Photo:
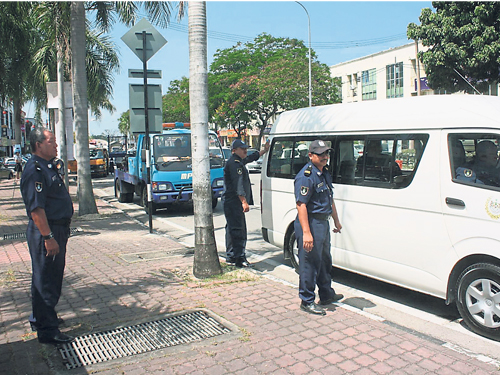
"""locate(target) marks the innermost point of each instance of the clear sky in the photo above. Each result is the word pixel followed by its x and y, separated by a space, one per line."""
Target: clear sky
pixel 340 31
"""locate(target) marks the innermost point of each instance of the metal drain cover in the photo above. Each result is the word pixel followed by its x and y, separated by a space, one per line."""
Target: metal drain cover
pixel 178 329
pixel 22 235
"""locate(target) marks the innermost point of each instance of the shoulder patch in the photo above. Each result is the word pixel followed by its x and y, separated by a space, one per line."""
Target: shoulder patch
pixel 308 171
pixel 38 187
pixel 239 170
pixel 304 190
pixel 468 173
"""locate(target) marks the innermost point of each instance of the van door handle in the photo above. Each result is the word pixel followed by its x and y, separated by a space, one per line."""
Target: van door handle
pixel 455 202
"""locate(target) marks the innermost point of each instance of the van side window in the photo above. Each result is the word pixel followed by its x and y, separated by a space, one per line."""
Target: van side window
pixel 378 161
pixel 474 159
pixel 288 156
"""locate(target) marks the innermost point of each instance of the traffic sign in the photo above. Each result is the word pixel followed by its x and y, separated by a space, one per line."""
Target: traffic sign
pixel 154 40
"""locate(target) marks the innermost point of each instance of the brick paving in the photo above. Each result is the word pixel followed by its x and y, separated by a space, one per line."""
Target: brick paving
pixel 103 290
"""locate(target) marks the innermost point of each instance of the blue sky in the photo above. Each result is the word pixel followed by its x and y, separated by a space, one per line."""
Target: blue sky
pixel 340 31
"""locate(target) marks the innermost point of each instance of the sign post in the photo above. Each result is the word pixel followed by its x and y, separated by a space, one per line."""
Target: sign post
pixel 144 40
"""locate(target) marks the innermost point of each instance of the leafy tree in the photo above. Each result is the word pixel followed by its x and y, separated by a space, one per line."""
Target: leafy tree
pixel 253 83
pixel 463 40
pixel 175 102
pixel 124 123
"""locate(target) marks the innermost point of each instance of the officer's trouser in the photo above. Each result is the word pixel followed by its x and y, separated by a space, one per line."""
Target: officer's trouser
pixel 236 230
pixel 46 283
pixel 315 266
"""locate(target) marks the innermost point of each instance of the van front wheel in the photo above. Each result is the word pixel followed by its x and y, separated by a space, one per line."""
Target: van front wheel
pixel 293 251
pixel 478 299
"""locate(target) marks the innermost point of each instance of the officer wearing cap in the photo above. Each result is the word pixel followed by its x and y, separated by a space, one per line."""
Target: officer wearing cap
pixel 49 208
pixel 237 199
pixel 315 205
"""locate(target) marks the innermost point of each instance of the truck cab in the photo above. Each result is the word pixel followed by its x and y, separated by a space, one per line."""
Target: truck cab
pixel 171 169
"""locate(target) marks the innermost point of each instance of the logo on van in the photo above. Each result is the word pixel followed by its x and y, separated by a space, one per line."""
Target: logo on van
pixel 493 208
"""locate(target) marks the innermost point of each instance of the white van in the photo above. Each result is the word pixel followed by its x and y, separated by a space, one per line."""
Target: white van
pixel 417 208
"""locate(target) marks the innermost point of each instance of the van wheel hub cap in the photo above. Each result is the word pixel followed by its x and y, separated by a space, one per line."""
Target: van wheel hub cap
pixel 483 302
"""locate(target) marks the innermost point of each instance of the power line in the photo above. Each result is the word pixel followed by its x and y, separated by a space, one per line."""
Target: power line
pixel 235 38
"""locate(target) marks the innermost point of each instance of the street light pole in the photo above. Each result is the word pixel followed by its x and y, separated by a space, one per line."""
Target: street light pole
pixel 309 29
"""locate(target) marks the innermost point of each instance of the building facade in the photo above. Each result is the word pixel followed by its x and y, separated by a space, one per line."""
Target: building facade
pixel 394 73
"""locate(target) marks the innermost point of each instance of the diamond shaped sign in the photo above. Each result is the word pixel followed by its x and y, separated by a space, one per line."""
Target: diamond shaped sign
pixel 154 40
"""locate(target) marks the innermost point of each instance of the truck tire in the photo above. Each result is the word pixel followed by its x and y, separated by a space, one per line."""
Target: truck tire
pixel 122 197
pixel 214 203
pixel 477 299
pixel 144 201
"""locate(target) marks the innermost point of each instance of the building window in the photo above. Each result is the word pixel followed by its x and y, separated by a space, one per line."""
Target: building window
pixel 395 80
pixel 369 84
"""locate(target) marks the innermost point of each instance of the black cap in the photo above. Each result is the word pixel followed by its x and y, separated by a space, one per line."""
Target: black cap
pixel 238 143
pixel 318 147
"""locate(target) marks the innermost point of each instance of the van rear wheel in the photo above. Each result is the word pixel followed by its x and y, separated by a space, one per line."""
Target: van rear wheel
pixel 478 299
pixel 293 251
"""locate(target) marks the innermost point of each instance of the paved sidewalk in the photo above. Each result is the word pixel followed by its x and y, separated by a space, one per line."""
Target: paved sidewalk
pixel 106 286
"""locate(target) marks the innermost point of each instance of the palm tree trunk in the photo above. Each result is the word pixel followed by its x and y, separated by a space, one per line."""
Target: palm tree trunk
pixel 61 136
pixel 206 260
pixel 86 200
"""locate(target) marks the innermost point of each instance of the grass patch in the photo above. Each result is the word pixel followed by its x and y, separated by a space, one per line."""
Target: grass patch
pixel 230 275
pixel 7 277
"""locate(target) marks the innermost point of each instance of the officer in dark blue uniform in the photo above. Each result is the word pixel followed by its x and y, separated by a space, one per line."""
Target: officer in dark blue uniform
pixel 49 208
pixel 315 205
pixel 237 199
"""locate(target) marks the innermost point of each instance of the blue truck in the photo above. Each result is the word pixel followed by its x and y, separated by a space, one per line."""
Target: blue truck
pixel 171 169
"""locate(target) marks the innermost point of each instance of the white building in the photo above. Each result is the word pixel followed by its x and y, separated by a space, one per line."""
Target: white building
pixel 387 74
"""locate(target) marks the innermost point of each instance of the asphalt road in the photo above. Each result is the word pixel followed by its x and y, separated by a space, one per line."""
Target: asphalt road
pixel 418 313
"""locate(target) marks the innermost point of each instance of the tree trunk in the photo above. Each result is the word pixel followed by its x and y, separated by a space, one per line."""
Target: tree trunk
pixel 206 259
pixel 86 200
pixel 16 120
pixel 61 136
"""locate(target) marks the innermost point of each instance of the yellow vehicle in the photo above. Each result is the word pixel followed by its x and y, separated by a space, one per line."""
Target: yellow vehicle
pixel 99 162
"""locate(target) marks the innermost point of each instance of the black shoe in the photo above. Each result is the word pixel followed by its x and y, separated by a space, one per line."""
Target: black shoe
pixel 244 264
pixel 34 326
pixel 58 338
pixel 312 308
pixel 336 297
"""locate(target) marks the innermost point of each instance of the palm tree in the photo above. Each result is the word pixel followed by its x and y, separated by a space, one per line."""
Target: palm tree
pixel 86 200
pixel 206 260
pixel 16 48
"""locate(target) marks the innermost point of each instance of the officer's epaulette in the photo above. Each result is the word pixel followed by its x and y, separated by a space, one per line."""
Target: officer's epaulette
pixel 325 168
pixel 37 166
pixel 308 171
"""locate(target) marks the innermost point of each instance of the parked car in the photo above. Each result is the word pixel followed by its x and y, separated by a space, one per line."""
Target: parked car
pixel 10 163
pixel 256 165
pixel 6 172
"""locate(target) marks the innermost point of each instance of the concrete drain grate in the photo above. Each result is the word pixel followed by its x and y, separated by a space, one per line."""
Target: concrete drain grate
pixel 22 235
pixel 126 341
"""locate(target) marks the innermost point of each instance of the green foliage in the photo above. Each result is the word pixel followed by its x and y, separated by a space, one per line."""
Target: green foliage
pixel 175 102
pixel 250 84
pixel 124 123
pixel 461 36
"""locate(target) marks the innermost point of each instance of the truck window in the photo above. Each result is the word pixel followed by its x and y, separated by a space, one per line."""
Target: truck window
pixel 474 159
pixel 382 161
pixel 173 152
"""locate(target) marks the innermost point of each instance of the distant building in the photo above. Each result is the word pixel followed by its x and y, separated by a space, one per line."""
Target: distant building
pixel 383 75
pixel 393 73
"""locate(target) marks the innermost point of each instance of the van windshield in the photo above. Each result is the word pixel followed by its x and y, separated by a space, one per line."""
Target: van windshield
pixel 96 154
pixel 172 152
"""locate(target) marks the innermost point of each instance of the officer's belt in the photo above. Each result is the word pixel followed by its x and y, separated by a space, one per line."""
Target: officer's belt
pixel 319 216
pixel 61 222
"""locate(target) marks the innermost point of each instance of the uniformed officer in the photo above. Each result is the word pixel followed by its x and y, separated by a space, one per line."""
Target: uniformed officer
pixel 484 170
pixel 315 205
pixel 49 208
pixel 237 198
